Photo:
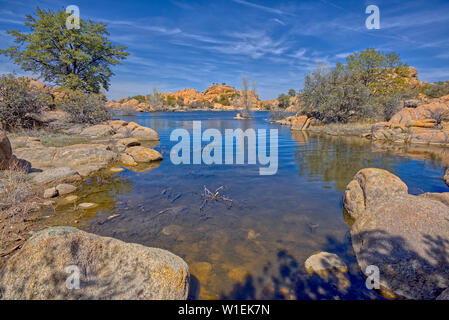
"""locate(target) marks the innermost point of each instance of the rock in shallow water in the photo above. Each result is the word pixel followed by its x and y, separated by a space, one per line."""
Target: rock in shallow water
pixel 324 262
pixel 64 189
pixel 405 236
pixel 109 269
pixel 87 205
pixel 143 155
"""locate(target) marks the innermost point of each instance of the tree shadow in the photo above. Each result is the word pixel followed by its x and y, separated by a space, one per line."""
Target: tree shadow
pixel 417 275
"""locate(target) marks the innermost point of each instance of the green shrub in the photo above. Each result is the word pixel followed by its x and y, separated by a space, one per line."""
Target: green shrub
pixel 83 107
pixel 19 102
pixel 180 102
pixel 140 98
pixel 336 96
pixel 224 100
pixel 200 104
pixel 284 101
pixel 171 100
pixel 371 86
pixel 436 89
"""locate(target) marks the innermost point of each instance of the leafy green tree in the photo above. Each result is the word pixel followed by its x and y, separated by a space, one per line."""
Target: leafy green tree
pixel 284 101
pixel 292 92
pixel 72 58
pixel 371 86
pixel 383 73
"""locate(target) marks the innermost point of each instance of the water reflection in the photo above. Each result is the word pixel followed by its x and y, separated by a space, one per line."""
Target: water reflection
pixel 257 247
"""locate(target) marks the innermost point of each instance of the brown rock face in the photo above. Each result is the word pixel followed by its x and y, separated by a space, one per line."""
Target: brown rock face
pixel 5 151
pixel 108 269
pixel 186 95
pixel 300 123
pixel 216 90
pixel 405 236
pixel 143 155
pixel 438 108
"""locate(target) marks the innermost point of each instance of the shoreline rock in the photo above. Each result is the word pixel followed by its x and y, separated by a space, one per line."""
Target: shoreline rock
pixel 109 269
pixel 405 236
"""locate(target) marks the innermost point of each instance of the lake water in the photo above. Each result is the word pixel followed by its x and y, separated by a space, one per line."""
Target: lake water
pixel 255 248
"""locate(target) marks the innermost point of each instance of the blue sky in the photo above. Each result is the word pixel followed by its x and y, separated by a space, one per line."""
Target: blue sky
pixel 176 44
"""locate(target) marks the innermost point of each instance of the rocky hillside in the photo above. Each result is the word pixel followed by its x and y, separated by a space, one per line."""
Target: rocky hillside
pixel 215 97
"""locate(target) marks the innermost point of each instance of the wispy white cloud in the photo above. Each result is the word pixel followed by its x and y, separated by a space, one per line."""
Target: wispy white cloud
pixel 434 74
pixel 260 7
pixel 279 21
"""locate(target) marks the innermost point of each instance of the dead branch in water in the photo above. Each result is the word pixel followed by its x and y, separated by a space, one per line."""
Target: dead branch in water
pixel 208 196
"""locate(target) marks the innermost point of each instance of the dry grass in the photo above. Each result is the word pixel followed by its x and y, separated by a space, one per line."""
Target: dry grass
pixel 350 127
pixel 49 138
pixel 14 187
pixel 16 207
pixel 359 129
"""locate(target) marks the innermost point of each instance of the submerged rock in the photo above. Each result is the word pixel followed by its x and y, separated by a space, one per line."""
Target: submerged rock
pixel 65 188
pixel 87 205
pixel 405 236
pixel 109 269
pixel 71 199
pixel 323 263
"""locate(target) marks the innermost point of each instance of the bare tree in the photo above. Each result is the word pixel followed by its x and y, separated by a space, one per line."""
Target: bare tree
pixel 247 95
pixel 155 99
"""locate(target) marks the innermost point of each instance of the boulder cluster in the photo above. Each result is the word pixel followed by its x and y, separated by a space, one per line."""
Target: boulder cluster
pixel 425 124
pixel 58 168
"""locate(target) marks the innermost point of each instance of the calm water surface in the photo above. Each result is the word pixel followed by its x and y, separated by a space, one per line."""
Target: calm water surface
pixel 257 247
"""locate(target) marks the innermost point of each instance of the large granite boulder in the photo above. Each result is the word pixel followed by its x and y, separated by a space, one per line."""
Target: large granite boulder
pixel 48 264
pixel 405 236
pixel 5 151
pixel 57 174
pixel 76 156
